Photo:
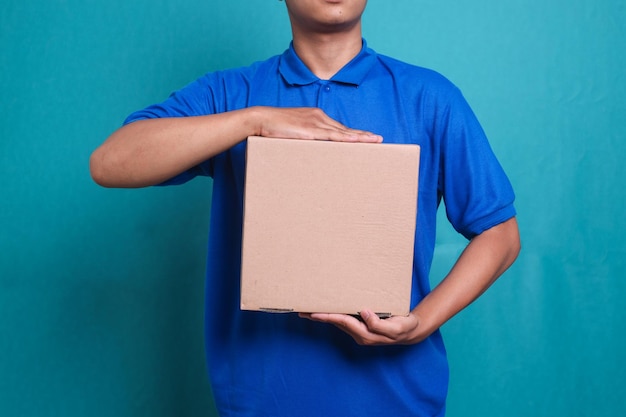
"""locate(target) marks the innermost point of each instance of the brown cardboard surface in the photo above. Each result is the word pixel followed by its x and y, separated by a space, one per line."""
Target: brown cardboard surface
pixel 328 226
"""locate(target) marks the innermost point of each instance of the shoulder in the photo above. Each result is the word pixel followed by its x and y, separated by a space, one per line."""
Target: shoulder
pixel 422 86
pixel 224 90
pixel 214 92
pixel 406 72
pixel 426 88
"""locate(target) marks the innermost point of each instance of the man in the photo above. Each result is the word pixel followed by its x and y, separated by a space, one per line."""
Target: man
pixel 327 86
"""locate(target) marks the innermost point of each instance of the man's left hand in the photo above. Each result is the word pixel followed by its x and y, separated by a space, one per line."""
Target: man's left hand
pixel 372 330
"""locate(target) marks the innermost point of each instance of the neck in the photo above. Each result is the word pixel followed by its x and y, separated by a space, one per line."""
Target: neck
pixel 325 54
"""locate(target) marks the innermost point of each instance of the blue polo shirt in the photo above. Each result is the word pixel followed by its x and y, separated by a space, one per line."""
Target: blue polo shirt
pixel 263 364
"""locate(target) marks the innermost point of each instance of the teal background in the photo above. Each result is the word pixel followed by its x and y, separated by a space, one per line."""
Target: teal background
pixel 101 290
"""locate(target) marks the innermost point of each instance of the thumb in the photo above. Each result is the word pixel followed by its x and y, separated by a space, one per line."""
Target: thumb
pixel 370 319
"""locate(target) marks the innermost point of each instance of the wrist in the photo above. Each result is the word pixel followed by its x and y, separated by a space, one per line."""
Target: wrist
pixel 253 119
pixel 424 328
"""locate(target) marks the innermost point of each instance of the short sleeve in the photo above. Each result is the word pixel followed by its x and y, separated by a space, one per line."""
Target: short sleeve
pixel 476 191
pixel 195 99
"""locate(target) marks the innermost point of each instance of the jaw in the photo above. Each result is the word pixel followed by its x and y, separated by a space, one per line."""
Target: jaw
pixel 310 17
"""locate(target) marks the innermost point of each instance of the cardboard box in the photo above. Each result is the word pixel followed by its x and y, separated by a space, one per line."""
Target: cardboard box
pixel 328 227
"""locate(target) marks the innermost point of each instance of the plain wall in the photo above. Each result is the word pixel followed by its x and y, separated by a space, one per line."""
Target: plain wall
pixel 101 290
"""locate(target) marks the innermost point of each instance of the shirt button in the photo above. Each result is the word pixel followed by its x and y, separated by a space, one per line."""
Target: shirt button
pixel 327 88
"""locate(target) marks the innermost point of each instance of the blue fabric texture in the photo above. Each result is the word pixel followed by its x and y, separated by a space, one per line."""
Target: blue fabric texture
pixel 263 364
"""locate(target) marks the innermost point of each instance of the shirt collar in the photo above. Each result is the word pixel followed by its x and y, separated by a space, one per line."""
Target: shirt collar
pixel 295 72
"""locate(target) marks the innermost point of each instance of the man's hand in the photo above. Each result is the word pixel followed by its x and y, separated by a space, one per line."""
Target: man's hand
pixel 148 152
pixel 372 330
pixel 306 123
pixel 486 257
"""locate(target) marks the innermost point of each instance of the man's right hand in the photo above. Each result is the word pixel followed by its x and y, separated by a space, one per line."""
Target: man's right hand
pixel 148 152
pixel 306 123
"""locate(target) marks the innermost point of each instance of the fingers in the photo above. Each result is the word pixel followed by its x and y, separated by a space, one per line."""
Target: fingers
pixel 350 135
pixel 309 123
pixel 393 327
pixel 372 330
pixel 331 129
pixel 349 324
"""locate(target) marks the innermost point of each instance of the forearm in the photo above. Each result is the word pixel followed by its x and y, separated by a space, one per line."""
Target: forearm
pixel 147 152
pixel 485 258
